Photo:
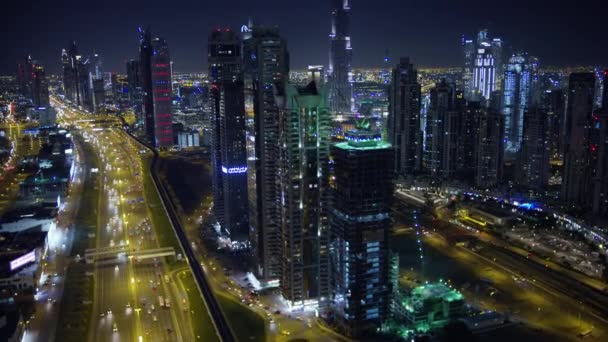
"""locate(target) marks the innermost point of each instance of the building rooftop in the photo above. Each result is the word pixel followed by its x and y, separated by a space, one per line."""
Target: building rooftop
pixel 432 291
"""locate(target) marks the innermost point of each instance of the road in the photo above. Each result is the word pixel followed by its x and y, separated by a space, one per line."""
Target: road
pixel 126 305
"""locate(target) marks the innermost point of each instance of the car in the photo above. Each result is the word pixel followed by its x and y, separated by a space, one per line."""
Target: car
pixel 109 312
pixel 49 300
pixel 285 332
pixel 101 314
pixel 128 305
pixel 154 318
pixel 114 327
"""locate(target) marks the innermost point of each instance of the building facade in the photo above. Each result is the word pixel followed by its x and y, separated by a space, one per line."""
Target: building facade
pixel 490 149
pixel 266 70
pixel 340 58
pixel 304 157
pixel 229 154
pixel 535 150
pixel 161 94
pixel 403 124
pixel 360 220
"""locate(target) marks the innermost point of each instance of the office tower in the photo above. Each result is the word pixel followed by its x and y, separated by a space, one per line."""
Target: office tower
pixel 533 165
pixel 229 157
pixel 467 141
pixel 24 76
pixel 482 72
pixel 161 90
pixel 134 89
pixel 578 173
pixel 469 49
pixel 340 58
pixel 99 93
pixel 403 124
pixel 490 149
pixel 33 83
pixel 600 184
pixel 517 96
pixel 360 221
pixel 266 70
pixel 442 128
pixel 554 103
pixel 97 66
pixel 304 134
pixel 145 64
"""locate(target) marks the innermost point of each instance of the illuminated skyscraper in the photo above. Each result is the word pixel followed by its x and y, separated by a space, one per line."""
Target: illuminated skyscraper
pixel 403 125
pixel 266 64
pixel 517 96
pixel 468 47
pixel 578 148
pixel 229 157
pixel 600 194
pixel 340 58
pixel 145 60
pixel 69 62
pixel 161 90
pixel 304 141
pixel 360 219
pixel 482 72
pixel 33 83
pixel 490 149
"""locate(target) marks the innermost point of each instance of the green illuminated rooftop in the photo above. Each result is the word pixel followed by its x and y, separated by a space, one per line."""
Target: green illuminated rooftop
pixel 431 291
pixel 363 139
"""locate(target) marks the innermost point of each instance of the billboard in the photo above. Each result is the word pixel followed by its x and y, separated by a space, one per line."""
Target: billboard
pixel 23 260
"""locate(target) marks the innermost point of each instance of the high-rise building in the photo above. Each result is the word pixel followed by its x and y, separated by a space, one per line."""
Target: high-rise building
pixel 145 63
pixel 578 168
pixel 340 58
pixel 467 140
pixel 482 72
pixel 517 96
pixel 442 131
pixel 161 90
pixel 533 170
pixel 600 184
pixel 490 149
pixel 266 70
pixel 134 87
pixel 554 103
pixel 403 125
pixel 304 140
pixel 229 157
pixel 33 83
pixel 69 63
pixel 360 221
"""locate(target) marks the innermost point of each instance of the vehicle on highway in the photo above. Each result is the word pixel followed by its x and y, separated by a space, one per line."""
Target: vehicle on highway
pixel 161 301
pixel 114 327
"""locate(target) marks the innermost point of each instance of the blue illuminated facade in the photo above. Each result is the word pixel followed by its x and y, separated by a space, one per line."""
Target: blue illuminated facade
pixel 516 98
pixel 361 172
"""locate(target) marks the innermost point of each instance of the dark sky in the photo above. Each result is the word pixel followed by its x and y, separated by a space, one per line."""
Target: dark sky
pixel 572 33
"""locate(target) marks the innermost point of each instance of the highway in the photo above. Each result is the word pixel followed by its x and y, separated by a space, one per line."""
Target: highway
pixel 126 295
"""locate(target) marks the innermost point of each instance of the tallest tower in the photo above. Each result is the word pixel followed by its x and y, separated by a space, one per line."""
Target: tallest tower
pixel 340 57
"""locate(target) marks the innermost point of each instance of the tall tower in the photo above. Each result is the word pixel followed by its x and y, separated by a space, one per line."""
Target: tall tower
pixel 360 220
pixel 576 184
pixel 266 64
pixel 229 157
pixel 535 150
pixel 340 58
pixel 145 60
pixel 490 149
pixel 600 187
pixel 304 141
pixel 482 66
pixel 404 119
pixel 161 93
pixel 468 47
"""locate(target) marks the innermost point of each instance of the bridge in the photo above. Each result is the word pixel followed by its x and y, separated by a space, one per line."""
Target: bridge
pixel 107 254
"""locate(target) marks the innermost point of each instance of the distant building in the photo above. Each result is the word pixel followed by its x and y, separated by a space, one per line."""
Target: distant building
pixel 554 103
pixel 33 83
pixel 578 165
pixel 145 60
pixel 600 187
pixel 229 154
pixel 483 66
pixel 403 124
pixel 188 139
pixel 340 58
pixel 490 150
pixel 534 154
pixel 266 64
pixel 360 221
pixel 304 158
pixel 161 89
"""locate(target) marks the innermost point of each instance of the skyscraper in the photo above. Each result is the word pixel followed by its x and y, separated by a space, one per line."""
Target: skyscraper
pixel 534 155
pixel 33 83
pixel 69 62
pixel 578 168
pixel 266 70
pixel 482 71
pixel 600 186
pixel 145 63
pixel 554 104
pixel 517 96
pixel 304 141
pixel 340 58
pixel 161 90
pixel 467 140
pixel 404 119
pixel 134 87
pixel 229 157
pixel 360 221
pixel 490 149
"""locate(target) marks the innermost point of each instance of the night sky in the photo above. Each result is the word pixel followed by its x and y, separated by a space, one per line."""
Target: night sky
pixel 429 30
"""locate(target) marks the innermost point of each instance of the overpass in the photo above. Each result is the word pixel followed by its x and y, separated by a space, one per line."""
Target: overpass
pixel 107 254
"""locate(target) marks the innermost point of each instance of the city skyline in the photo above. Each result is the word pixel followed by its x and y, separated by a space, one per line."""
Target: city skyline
pixel 425 32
